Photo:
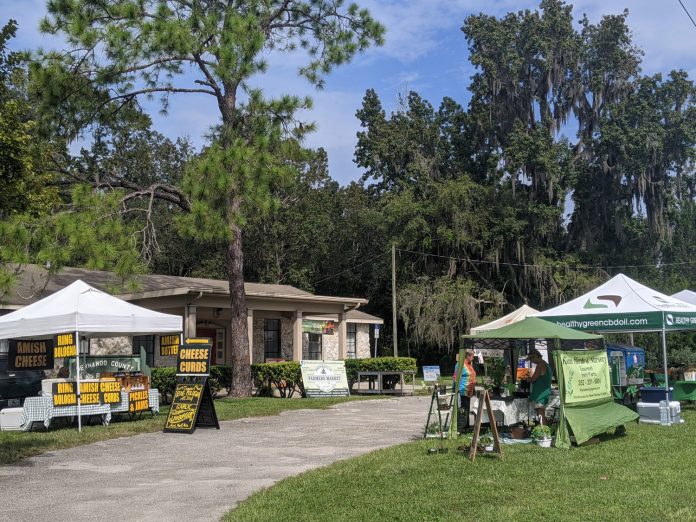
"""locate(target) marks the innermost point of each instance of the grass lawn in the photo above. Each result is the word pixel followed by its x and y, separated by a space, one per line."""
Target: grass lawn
pixel 15 445
pixel 649 474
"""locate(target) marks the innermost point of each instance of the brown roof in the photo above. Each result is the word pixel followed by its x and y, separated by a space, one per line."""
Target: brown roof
pixel 358 316
pixel 33 284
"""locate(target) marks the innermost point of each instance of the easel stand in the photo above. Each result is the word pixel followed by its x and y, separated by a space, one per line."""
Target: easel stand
pixel 440 404
pixel 484 397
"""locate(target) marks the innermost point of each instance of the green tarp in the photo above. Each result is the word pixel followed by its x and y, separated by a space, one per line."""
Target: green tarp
pixel 535 328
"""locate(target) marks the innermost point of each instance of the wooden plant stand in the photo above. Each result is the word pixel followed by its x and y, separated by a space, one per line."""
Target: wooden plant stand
pixel 497 448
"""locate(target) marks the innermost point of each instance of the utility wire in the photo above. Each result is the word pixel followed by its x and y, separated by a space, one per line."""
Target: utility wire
pixel 548 267
pixel 687 12
pixel 353 267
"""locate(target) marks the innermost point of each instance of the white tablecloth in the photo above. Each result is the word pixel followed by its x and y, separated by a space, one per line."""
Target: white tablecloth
pixel 507 412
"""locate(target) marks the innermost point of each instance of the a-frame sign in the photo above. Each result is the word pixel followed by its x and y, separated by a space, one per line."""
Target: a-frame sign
pixel 193 405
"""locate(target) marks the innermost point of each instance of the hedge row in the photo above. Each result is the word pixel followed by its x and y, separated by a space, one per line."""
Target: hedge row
pixel 379 364
pixel 164 379
pixel 286 377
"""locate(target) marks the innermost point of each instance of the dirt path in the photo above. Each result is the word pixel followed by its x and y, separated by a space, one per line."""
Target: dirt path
pixel 158 476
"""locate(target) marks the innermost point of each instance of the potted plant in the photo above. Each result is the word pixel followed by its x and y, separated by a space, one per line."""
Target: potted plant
pixel 542 435
pixel 486 441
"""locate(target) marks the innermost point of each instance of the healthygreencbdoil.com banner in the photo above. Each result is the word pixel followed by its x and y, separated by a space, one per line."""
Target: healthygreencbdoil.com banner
pixel 586 376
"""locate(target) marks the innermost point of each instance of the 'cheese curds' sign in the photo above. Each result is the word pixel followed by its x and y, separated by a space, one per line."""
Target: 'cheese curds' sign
pixel 30 354
pixel 91 392
pixel 194 357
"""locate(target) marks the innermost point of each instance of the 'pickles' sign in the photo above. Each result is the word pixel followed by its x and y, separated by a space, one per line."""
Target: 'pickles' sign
pixel 65 345
pixel 169 345
pixel 138 401
pixel 585 376
pixel 30 354
pixel 194 357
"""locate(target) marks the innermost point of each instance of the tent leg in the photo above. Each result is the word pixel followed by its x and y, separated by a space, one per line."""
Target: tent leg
pixel 664 360
pixel 77 369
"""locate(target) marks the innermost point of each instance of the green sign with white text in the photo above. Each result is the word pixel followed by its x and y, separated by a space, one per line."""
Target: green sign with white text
pixel 585 376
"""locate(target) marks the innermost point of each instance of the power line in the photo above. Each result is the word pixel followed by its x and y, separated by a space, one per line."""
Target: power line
pixel 687 12
pixel 352 267
pixel 548 267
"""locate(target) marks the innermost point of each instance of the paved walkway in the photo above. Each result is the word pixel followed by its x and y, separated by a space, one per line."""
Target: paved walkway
pixel 158 476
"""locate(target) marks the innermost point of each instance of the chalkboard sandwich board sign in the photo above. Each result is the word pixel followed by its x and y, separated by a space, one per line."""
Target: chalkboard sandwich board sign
pixel 30 354
pixel 192 407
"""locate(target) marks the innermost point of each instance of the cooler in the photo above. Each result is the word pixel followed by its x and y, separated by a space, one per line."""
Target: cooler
pixel 654 394
pixel 650 412
pixel 11 419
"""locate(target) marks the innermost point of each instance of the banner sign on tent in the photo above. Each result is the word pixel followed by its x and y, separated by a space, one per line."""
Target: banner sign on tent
pixel 110 392
pixel 28 354
pixel 169 345
pixel 65 345
pixel 193 358
pixel 91 392
pixel 324 378
pixel 585 375
pixel 92 365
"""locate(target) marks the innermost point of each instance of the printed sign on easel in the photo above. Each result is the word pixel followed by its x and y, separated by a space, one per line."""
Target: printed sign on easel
pixel 193 405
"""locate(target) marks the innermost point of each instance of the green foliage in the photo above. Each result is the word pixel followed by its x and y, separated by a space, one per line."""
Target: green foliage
pixel 379 364
pixel 164 379
pixel 286 377
pixel 541 432
pixel 220 378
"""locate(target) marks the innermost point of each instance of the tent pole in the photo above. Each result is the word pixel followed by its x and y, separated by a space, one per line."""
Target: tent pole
pixel 77 369
pixel 664 359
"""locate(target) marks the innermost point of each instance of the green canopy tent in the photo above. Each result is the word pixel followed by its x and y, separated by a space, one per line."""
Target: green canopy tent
pixel 622 305
pixel 582 372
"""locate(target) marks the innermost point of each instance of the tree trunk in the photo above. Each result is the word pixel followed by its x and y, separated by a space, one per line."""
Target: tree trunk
pixel 241 367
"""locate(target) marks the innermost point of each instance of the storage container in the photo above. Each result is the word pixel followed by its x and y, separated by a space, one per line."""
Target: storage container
pixel 47 385
pixel 650 412
pixel 10 419
pixel 650 394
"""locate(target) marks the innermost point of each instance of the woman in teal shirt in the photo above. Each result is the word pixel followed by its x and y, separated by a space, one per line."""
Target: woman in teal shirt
pixel 541 384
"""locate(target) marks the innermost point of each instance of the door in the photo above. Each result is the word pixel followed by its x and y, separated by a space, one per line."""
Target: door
pixel 211 334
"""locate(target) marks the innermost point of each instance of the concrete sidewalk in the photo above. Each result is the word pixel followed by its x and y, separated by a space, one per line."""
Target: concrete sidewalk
pixel 158 476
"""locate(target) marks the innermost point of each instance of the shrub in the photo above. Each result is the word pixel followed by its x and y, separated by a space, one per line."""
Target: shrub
pixel 379 364
pixel 285 376
pixel 164 379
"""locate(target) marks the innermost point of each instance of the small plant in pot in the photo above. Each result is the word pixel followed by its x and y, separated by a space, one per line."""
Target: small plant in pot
pixel 542 435
pixel 486 441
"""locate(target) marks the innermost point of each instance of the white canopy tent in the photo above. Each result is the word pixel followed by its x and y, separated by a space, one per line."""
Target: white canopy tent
pixel 688 296
pixel 624 305
pixel 521 313
pixel 89 312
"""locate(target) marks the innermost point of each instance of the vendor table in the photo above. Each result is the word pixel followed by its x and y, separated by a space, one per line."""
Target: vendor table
pixel 511 410
pixel 684 390
pixel 41 409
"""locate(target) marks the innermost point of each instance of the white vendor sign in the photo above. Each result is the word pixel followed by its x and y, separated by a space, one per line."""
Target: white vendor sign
pixel 325 378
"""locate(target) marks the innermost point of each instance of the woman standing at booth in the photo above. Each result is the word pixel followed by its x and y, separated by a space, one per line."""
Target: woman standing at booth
pixel 466 388
pixel 541 384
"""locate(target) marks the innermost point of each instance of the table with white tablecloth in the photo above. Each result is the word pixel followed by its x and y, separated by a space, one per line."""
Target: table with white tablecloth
pixel 506 411
pixel 41 409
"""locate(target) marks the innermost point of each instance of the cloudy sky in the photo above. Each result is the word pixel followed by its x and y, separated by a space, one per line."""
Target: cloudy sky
pixel 424 51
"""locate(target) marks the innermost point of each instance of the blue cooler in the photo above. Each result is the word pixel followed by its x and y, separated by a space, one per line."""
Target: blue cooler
pixel 651 394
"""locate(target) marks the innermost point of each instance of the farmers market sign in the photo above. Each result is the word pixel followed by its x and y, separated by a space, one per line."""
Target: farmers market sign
pixel 324 378
pixel 585 376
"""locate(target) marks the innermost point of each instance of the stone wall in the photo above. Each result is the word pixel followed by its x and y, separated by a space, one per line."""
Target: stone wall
pixel 362 341
pixel 329 346
pixel 111 346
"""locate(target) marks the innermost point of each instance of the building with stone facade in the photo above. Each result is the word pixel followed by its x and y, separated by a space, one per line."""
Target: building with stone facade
pixel 284 323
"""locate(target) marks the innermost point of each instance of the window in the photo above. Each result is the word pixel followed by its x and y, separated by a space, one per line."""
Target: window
pixel 147 342
pixel 271 338
pixel 314 347
pixel 220 346
pixel 351 340
pixel 85 346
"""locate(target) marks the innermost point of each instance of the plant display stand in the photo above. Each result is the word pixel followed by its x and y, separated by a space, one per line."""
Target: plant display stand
pixel 485 398
pixel 441 407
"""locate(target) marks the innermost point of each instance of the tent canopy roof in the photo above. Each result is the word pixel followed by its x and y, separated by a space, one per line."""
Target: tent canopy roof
pixel 688 296
pixel 623 305
pixel 535 328
pixel 80 307
pixel 513 317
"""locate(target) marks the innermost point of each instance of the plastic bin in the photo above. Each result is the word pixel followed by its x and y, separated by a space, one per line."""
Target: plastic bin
pixel 650 412
pixel 651 394
pixel 10 419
